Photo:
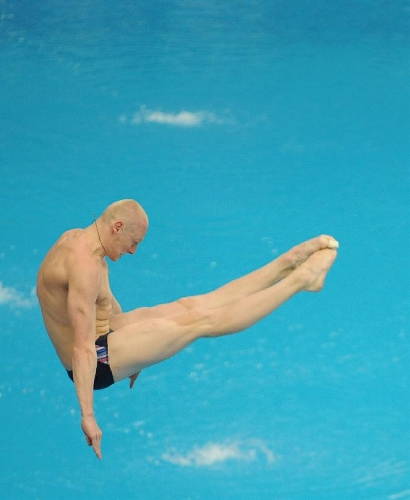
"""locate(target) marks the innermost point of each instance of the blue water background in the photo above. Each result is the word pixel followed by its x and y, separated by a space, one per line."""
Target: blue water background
pixel 302 127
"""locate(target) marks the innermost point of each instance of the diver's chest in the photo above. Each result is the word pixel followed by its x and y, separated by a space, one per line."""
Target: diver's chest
pixel 105 295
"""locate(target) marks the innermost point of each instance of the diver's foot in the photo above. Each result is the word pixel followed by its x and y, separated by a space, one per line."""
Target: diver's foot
pixel 312 273
pixel 297 255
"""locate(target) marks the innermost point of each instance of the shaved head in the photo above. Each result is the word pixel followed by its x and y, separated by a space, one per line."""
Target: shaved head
pixel 127 211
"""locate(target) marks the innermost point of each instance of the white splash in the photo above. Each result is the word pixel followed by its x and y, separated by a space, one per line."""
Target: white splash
pixel 396 496
pixel 216 453
pixel 11 296
pixel 180 119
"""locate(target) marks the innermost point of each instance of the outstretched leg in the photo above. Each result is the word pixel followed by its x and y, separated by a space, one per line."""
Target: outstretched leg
pixel 244 286
pixel 269 274
pixel 248 310
pixel 150 341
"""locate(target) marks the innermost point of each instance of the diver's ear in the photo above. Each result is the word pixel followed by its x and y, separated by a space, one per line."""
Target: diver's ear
pixel 117 227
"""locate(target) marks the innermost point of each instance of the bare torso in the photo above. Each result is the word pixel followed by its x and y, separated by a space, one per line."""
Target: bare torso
pixel 53 284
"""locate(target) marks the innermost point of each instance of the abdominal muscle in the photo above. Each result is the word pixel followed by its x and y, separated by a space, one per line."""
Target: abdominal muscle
pixel 62 336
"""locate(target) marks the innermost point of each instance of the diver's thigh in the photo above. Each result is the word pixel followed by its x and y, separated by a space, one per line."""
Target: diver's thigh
pixel 139 345
pixel 142 314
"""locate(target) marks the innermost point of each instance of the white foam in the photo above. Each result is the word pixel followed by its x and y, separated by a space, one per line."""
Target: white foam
pixel 214 453
pixel 396 496
pixel 11 296
pixel 180 119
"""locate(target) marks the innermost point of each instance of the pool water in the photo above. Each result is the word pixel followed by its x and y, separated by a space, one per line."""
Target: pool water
pixel 242 128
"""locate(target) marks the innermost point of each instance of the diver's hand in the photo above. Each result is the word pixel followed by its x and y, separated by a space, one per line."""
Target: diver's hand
pixel 92 433
pixel 133 378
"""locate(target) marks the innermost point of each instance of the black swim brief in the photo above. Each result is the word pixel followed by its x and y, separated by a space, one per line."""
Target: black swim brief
pixel 103 375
